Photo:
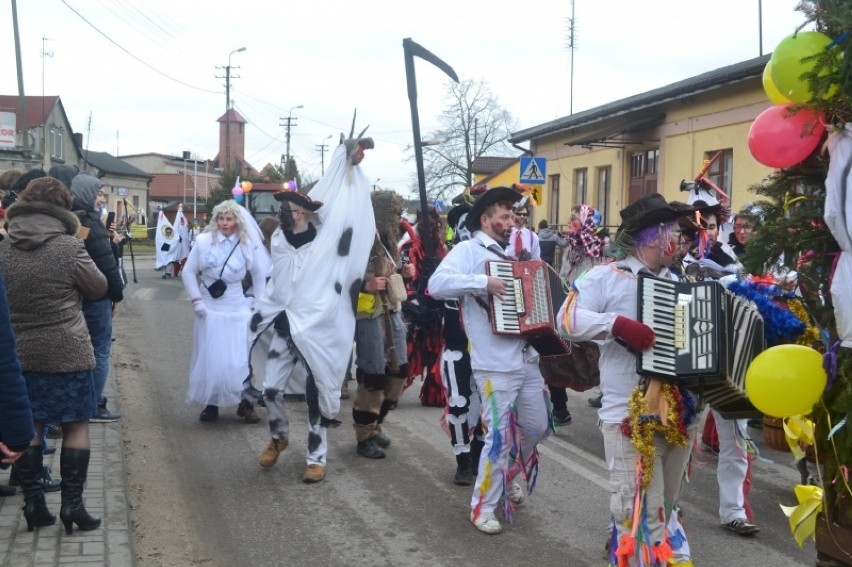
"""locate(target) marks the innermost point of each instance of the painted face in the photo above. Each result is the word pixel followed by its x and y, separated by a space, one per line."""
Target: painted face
pixel 226 224
pixel 498 223
pixel 712 227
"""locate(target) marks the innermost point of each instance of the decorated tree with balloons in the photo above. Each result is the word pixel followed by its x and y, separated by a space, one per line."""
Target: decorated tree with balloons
pixel 806 136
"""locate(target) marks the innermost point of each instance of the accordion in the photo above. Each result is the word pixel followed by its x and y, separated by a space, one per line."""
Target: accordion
pixel 706 337
pixel 533 296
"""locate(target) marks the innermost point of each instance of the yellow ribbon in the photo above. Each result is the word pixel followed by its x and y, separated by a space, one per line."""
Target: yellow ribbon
pixel 788 201
pixel 803 517
pixel 799 432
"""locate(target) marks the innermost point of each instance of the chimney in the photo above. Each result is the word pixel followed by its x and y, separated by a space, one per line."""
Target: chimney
pixel 78 139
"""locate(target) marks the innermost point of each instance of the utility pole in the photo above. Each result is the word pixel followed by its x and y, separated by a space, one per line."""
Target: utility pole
pixel 289 124
pixel 44 129
pixel 572 45
pixel 228 106
pixel 22 101
pixel 322 148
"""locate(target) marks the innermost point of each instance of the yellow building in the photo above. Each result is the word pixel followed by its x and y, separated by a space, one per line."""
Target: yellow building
pixel 610 155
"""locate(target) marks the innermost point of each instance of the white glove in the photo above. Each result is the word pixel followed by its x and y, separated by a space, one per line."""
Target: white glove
pixel 199 308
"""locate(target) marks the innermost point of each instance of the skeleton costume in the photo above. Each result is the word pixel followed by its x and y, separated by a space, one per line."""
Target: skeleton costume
pixel 381 357
pixel 306 316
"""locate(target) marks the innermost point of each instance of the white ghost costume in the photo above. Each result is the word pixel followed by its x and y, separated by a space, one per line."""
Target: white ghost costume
pixel 319 291
pixel 168 245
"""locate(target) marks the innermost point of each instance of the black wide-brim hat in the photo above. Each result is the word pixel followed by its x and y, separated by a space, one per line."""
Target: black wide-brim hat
pixel 495 195
pixel 297 198
pixel 702 207
pixel 456 212
pixel 649 210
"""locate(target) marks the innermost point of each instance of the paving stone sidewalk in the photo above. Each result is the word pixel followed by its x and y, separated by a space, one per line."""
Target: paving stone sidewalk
pixel 105 496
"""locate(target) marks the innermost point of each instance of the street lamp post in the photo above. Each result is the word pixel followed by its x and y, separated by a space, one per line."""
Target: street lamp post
pixel 289 125
pixel 376 182
pixel 228 109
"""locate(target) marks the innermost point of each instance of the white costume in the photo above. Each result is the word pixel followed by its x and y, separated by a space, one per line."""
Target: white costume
pixel 318 290
pixel 167 242
pixel 219 351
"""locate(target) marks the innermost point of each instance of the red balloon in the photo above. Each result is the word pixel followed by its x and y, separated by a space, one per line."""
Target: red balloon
pixel 778 138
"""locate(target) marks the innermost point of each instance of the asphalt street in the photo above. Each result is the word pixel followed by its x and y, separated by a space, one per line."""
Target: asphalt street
pixel 403 510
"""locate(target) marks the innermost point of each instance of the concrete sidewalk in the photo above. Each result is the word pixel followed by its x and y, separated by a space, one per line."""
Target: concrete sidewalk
pixel 105 496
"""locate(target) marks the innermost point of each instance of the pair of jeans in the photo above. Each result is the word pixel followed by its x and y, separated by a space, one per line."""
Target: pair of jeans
pixel 98 316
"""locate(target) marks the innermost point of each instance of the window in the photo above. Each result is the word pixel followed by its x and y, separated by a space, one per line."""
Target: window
pixel 554 199
pixel 637 165
pixel 56 144
pixel 580 185
pixel 721 172
pixel 643 173
pixel 604 176
pixel 652 160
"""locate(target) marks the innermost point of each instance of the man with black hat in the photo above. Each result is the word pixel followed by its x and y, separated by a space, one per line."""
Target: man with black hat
pixel 603 308
pixel 306 315
pixel 505 368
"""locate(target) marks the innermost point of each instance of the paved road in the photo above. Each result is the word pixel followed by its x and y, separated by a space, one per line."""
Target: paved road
pixel 403 510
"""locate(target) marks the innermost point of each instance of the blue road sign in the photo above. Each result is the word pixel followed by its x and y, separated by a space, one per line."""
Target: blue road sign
pixel 533 170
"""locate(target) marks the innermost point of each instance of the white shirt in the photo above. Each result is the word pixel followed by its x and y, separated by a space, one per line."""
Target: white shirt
pixel 605 292
pixel 461 274
pixel 529 239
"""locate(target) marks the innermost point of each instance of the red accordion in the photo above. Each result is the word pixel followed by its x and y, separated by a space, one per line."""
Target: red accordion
pixel 533 297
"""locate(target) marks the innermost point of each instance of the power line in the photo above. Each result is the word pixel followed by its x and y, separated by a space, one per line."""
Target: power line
pixel 90 24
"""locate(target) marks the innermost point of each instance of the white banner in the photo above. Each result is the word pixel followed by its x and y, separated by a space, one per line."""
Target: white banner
pixel 7 129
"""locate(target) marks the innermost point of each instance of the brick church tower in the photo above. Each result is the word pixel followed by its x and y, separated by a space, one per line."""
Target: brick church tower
pixel 232 142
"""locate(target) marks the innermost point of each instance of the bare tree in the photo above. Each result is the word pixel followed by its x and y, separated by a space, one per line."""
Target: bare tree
pixel 473 124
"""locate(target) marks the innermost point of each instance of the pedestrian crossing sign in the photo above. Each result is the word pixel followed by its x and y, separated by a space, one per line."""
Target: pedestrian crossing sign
pixel 533 170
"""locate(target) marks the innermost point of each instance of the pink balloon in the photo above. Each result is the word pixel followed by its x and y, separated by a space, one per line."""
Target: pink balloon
pixel 236 191
pixel 778 138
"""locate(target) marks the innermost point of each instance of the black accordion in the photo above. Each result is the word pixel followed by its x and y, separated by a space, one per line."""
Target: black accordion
pixel 706 337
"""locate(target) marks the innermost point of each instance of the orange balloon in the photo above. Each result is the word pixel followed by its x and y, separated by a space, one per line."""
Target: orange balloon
pixel 246 185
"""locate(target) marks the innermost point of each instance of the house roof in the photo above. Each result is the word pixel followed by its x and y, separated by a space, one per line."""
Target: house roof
pixel 36 111
pixel 111 164
pixel 700 83
pixel 489 164
pixel 236 117
pixel 170 186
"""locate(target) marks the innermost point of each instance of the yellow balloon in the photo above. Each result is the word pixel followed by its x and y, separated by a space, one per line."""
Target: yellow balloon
pixel 788 67
pixel 785 380
pixel 772 92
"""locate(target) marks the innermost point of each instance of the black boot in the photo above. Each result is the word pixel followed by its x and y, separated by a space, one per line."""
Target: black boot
pixel 464 471
pixel 29 467
pixel 46 479
pixel 73 466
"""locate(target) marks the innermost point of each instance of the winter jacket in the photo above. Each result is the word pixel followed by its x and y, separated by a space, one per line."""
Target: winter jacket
pixel 48 273
pixel 548 240
pixel 84 189
pixel 16 418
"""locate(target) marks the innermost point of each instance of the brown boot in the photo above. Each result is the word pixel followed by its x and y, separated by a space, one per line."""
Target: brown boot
pixel 313 473
pixel 270 455
pixel 246 411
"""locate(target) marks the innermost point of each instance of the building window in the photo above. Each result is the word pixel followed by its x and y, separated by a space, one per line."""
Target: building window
pixel 721 171
pixel 554 199
pixel 637 165
pixel 56 144
pixel 580 185
pixel 604 182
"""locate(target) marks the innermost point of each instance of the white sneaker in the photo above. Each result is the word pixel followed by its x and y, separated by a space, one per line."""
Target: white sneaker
pixel 516 493
pixel 487 523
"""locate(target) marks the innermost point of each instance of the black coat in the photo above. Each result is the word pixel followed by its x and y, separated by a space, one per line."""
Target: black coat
pixel 99 248
pixel 16 419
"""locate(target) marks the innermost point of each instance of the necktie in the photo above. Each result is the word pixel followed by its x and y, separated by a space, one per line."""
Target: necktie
pixel 519 244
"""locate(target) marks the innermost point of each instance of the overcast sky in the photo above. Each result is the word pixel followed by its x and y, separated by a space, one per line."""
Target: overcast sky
pixel 147 71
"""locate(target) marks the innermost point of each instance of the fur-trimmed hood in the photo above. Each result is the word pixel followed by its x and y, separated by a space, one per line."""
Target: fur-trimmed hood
pixel 31 224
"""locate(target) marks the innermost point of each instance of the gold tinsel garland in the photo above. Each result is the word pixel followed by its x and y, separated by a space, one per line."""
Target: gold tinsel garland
pixel 811 335
pixel 643 427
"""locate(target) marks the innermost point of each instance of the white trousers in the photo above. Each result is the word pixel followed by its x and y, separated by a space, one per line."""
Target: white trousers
pixel 500 391
pixel 731 469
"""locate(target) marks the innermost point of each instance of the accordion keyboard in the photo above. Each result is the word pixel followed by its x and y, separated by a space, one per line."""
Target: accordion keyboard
pixel 506 310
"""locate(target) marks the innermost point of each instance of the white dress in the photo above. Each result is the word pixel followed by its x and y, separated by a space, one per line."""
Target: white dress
pixel 219 361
